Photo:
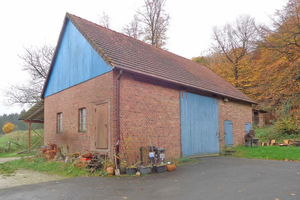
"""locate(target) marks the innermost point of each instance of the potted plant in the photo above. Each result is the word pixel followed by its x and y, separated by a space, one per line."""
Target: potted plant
pixel 108 166
pixel 171 165
pixel 131 170
pixel 145 169
pixel 159 168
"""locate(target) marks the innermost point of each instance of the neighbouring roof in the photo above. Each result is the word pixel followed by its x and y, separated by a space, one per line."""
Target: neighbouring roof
pixel 126 53
pixel 35 113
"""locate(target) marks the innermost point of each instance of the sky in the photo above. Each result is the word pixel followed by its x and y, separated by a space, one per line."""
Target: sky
pixel 37 22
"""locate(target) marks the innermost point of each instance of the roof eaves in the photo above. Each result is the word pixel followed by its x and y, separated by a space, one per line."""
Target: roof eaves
pixel 183 84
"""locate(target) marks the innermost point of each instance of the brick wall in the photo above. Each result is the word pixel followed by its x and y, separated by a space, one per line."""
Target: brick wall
pixel 239 113
pixel 149 115
pixel 87 94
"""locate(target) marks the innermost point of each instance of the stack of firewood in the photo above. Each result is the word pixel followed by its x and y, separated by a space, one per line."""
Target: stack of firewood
pixel 285 143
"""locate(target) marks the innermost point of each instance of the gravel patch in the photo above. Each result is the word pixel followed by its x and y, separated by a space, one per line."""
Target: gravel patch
pixel 3 160
pixel 26 177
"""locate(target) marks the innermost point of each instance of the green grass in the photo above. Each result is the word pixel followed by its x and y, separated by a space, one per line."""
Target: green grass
pixel 269 152
pixel 14 154
pixel 40 164
pixel 270 133
pixel 19 141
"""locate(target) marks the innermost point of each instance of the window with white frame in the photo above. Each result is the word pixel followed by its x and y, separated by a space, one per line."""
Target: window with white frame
pixel 59 123
pixel 82 120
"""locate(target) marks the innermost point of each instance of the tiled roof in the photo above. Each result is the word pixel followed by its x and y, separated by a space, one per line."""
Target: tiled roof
pixel 129 54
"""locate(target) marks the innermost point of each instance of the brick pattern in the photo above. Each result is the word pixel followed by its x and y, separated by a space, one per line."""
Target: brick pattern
pixel 87 94
pixel 239 113
pixel 149 115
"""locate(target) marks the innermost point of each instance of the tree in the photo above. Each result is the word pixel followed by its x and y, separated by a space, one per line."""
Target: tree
pixel 280 49
pixel 284 34
pixel 8 127
pixel 133 29
pixel 104 20
pixel 154 21
pixel 36 62
pixel 235 41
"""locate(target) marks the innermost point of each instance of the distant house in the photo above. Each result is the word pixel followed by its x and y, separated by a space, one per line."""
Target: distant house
pixel 103 85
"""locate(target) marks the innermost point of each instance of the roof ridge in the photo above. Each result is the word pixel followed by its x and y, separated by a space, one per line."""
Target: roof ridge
pixel 154 47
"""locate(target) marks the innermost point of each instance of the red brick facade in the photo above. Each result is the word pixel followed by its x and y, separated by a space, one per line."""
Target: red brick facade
pixel 239 113
pixel 149 114
pixel 85 95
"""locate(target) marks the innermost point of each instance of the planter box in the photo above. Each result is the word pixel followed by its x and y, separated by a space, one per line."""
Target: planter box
pixel 131 171
pixel 145 170
pixel 160 169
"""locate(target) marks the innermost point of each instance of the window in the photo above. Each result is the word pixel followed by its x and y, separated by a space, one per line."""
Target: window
pixel 59 123
pixel 82 120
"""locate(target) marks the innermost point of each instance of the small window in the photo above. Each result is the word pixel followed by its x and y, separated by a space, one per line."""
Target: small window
pixel 59 123
pixel 82 120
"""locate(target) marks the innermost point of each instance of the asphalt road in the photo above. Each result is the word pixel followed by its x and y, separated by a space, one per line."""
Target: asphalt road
pixel 209 179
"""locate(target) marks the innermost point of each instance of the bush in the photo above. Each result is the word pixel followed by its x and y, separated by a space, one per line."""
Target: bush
pixel 8 127
pixel 287 126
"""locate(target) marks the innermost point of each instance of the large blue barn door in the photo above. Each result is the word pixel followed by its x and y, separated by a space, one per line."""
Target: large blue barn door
pixel 199 125
pixel 228 133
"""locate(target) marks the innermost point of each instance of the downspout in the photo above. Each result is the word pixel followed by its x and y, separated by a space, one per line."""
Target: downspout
pixel 118 114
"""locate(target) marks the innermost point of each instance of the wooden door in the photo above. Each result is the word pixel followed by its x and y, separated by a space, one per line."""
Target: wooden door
pixel 101 126
pixel 228 133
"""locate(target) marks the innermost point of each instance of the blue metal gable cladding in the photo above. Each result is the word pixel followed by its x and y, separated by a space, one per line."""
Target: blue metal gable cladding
pixel 76 62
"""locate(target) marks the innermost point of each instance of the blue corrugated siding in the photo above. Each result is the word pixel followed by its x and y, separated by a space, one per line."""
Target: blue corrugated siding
pixel 199 125
pixel 75 63
pixel 228 133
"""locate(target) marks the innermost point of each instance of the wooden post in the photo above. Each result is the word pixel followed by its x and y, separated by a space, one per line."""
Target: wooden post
pixel 9 148
pixel 29 130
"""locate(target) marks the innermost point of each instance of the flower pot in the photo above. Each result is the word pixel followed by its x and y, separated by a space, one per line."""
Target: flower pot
pixel 171 167
pixel 145 170
pixel 131 171
pixel 160 169
pixel 123 170
pixel 110 171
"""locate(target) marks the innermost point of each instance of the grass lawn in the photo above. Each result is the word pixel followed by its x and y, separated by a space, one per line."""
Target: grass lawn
pixel 14 154
pixel 40 164
pixel 19 142
pixel 290 153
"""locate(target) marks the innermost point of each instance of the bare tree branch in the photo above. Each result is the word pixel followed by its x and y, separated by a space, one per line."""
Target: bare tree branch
pixel 155 22
pixel 104 20
pixel 36 61
pixel 236 40
pixel 133 29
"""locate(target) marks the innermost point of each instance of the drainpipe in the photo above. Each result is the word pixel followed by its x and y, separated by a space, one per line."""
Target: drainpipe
pixel 118 113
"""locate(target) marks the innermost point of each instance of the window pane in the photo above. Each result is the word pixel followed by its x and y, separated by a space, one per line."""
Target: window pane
pixel 82 119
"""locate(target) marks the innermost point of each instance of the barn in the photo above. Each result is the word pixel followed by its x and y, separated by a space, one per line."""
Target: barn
pixel 104 87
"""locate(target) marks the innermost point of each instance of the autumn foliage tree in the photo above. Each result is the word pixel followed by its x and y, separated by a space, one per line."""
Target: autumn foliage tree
pixel 8 127
pixel 233 44
pixel 280 57
pixel 261 60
